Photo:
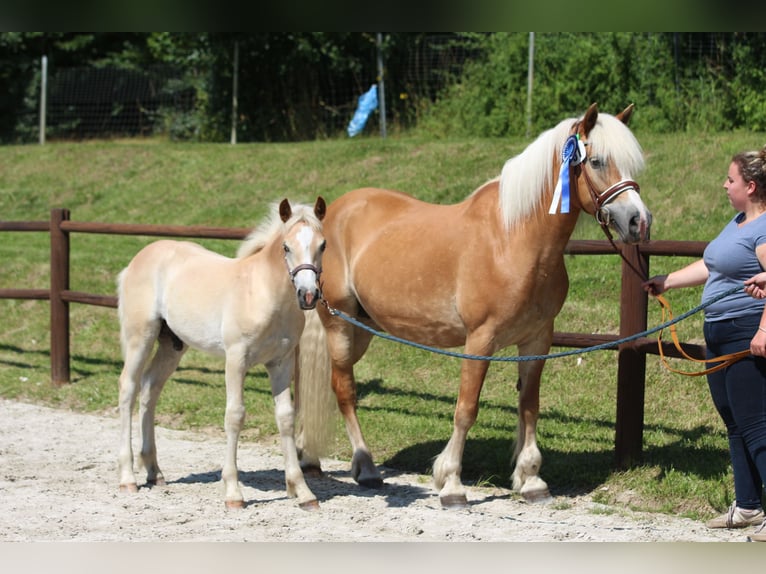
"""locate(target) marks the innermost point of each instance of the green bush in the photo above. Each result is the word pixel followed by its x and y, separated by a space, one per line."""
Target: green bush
pixel 750 86
pixel 713 85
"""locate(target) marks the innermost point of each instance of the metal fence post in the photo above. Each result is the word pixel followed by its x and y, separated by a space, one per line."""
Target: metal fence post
pixel 58 307
pixel 43 97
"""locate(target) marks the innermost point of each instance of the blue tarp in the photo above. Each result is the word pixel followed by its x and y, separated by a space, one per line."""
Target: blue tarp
pixel 368 102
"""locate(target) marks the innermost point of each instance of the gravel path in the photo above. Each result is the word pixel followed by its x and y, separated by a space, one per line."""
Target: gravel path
pixel 58 480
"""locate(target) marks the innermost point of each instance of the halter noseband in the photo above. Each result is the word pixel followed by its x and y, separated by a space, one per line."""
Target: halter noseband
pixel 302 267
pixel 608 196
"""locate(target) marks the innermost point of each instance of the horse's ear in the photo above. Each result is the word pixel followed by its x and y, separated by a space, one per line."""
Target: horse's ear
pixel 589 120
pixel 624 115
pixel 285 211
pixel 320 208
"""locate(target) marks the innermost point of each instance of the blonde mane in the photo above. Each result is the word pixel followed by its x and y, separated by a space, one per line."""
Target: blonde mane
pixel 272 227
pixel 525 177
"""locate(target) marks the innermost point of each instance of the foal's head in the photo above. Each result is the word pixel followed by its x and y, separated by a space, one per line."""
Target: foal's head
pixel 304 244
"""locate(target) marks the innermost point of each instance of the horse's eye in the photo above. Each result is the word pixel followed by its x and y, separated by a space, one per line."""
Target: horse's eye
pixel 323 246
pixel 286 248
pixel 596 162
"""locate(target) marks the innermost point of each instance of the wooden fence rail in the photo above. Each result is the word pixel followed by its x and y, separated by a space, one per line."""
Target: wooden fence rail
pixel 631 356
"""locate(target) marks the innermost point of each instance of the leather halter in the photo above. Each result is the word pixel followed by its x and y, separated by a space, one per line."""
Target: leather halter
pixel 609 194
pixel 309 267
pixel 302 267
pixel 604 198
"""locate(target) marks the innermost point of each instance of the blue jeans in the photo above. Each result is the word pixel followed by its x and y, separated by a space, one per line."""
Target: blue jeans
pixel 739 395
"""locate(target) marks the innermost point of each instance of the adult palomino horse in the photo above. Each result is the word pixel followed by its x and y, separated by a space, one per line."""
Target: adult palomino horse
pixel 249 309
pixel 485 273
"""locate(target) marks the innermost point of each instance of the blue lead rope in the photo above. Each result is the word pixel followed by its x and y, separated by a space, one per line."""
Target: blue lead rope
pixel 600 347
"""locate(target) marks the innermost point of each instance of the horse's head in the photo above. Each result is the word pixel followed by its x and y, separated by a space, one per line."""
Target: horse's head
pixel 605 185
pixel 304 245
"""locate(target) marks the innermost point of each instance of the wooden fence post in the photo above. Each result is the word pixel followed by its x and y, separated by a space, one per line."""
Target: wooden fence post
pixel 631 362
pixel 59 308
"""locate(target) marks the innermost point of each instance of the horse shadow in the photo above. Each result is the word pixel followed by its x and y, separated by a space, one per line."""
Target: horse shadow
pixel 488 462
pixel 568 472
pixel 331 484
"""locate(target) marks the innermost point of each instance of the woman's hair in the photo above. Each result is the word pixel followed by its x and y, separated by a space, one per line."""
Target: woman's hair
pixel 752 166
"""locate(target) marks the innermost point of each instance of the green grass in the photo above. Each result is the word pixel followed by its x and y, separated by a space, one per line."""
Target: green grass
pixel 406 396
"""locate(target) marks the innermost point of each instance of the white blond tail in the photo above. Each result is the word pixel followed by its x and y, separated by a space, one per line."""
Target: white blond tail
pixel 316 406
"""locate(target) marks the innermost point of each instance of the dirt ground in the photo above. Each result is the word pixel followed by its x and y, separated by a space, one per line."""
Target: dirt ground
pixel 58 482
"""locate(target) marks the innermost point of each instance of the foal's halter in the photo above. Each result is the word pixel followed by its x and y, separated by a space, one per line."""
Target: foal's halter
pixel 303 267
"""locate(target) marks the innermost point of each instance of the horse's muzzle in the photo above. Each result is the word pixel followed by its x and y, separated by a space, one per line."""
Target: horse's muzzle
pixel 308 298
pixel 632 227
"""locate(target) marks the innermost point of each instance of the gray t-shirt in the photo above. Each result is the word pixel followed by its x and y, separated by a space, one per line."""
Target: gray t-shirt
pixel 730 259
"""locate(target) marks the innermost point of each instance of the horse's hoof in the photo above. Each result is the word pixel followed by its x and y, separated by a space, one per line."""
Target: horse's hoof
pixel 236 504
pixel 130 487
pixel 156 482
pixel 537 496
pixel 371 482
pixel 309 505
pixel 312 471
pixel 454 501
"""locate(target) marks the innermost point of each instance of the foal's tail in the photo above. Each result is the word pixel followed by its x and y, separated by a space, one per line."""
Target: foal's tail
pixel 316 406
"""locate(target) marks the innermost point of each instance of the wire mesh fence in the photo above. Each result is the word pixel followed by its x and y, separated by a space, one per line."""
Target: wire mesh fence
pixel 278 103
pixel 110 102
pixel 104 102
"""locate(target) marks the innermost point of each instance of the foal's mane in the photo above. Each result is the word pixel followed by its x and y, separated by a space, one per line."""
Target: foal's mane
pixel 272 227
pixel 526 176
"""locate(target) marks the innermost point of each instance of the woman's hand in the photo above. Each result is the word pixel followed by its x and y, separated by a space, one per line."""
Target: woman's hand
pixel 758 344
pixel 656 285
pixel 756 286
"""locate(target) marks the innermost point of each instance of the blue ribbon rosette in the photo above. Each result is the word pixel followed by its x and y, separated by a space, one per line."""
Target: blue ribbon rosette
pixel 573 153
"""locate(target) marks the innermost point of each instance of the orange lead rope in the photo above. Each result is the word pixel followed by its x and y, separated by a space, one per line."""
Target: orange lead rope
pixel 723 361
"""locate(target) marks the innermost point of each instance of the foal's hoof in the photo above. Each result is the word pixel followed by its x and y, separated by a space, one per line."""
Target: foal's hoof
pixel 130 487
pixel 537 496
pixel 454 501
pixel 309 505
pixel 235 504
pixel 535 489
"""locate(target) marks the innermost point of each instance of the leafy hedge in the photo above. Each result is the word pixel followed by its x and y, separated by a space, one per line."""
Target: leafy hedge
pixel 679 82
pixel 304 85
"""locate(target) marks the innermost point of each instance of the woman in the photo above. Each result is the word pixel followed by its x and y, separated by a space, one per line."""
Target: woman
pixel 735 323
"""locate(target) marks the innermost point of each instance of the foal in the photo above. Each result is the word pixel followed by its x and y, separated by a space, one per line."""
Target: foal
pixel 249 310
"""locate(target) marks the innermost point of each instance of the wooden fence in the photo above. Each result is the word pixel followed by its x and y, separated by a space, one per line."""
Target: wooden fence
pixel 631 356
